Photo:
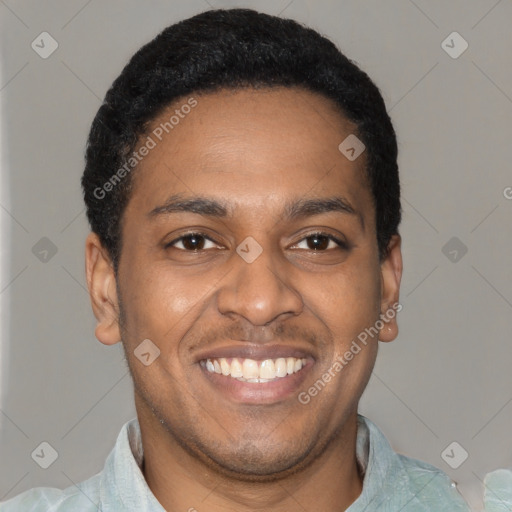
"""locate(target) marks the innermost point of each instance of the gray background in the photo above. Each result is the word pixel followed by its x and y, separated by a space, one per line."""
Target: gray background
pixel 446 378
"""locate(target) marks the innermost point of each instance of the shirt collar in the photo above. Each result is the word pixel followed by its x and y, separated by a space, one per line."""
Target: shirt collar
pixel 387 484
pixel 123 486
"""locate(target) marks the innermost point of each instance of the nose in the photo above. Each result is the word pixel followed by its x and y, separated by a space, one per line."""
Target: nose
pixel 259 291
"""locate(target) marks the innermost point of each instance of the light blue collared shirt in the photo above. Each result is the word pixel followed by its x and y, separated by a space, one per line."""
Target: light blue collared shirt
pixel 391 483
pixel 498 491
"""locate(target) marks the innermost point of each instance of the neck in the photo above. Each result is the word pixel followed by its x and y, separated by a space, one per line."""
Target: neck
pixel 179 481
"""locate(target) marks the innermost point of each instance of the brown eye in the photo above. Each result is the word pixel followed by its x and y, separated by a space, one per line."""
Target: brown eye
pixel 321 242
pixel 318 242
pixel 191 242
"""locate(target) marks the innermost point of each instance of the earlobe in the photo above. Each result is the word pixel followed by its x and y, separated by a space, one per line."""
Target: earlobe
pixel 391 275
pixel 101 282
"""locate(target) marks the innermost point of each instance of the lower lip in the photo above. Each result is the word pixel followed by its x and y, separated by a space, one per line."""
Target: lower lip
pixel 258 392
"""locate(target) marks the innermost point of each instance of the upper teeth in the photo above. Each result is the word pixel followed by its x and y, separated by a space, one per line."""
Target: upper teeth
pixel 251 370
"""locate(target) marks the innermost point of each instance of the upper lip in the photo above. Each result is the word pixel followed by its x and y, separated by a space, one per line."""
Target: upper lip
pixel 254 351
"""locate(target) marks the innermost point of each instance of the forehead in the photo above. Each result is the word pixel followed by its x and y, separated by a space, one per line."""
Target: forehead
pixel 251 147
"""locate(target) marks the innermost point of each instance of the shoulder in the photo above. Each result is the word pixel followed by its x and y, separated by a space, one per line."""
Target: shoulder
pixel 404 483
pixel 84 497
pixel 89 495
pixel 498 491
pixel 431 486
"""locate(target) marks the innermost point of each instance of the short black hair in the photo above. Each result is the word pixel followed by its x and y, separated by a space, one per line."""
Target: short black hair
pixel 231 48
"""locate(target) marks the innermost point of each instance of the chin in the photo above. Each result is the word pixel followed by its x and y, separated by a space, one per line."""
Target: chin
pixel 250 464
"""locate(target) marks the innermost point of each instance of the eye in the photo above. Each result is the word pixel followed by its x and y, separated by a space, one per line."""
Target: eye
pixel 320 242
pixel 192 242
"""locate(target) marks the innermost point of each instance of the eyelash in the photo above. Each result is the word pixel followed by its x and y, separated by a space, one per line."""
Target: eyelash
pixel 341 244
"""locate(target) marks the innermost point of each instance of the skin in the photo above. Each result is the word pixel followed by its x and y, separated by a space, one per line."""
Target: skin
pixel 254 151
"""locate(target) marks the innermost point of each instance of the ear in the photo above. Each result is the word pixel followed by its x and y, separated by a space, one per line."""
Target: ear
pixel 101 282
pixel 391 275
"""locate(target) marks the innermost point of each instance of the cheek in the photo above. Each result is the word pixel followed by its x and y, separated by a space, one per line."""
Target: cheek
pixel 162 305
pixel 351 306
pixel 143 302
pixel 348 300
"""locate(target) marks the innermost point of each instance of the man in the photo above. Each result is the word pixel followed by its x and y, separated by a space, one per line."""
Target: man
pixel 242 187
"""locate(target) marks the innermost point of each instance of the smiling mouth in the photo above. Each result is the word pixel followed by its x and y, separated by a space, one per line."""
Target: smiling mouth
pixel 251 370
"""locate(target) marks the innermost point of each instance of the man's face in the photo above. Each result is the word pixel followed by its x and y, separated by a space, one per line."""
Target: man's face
pixel 258 160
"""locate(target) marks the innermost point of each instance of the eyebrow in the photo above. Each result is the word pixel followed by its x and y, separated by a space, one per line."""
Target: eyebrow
pixel 309 207
pixel 199 205
pixel 293 210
